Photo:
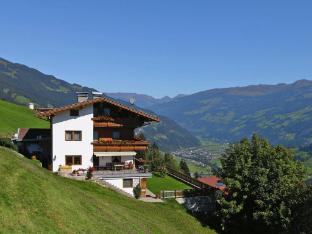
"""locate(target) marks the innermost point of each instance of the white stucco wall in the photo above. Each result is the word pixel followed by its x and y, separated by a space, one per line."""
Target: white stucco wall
pixel 118 182
pixel 62 122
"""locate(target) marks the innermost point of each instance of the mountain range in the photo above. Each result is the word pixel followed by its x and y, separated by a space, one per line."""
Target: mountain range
pixel 21 84
pixel 282 113
pixel 141 100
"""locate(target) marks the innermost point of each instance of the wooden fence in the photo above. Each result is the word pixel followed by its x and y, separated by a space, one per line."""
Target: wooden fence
pixel 165 194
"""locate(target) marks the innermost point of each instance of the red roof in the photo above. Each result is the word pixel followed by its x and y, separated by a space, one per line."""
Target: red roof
pixel 212 181
pixel 22 133
pixel 33 134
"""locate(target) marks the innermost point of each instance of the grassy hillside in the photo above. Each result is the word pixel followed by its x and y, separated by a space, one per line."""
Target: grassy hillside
pixel 33 200
pixel 14 116
pixel 157 183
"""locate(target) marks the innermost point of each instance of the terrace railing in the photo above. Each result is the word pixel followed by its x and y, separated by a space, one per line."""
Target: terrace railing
pixel 167 194
pixel 187 179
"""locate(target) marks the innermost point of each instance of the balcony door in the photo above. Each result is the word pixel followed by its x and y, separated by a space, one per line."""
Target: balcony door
pixel 116 159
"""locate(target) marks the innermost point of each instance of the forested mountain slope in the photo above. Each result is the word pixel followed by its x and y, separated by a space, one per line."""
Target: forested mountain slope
pixel 282 113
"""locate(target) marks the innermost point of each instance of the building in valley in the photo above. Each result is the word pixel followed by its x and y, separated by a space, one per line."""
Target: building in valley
pixel 98 132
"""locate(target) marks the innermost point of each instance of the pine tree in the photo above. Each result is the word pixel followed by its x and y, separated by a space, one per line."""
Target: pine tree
pixel 184 167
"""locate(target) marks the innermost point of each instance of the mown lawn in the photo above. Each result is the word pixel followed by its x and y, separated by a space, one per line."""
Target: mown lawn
pixel 157 183
pixel 33 200
pixel 13 116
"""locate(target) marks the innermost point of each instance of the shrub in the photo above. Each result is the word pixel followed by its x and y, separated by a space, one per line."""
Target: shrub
pixel 90 173
pixel 137 191
pixel 6 142
pixel 159 174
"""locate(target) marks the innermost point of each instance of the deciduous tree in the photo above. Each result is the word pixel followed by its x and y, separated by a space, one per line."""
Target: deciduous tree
pixel 260 179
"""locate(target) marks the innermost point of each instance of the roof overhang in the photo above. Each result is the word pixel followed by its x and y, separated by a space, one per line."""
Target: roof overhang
pixel 52 112
pixel 111 154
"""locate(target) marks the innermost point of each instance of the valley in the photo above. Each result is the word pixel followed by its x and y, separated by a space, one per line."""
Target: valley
pixel 282 113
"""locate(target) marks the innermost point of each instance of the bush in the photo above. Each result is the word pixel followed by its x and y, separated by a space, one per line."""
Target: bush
pixel 137 191
pixel 90 173
pixel 159 174
pixel 6 142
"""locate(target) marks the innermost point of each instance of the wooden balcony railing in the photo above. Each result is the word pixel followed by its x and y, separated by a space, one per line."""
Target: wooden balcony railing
pixel 107 125
pixel 120 145
pixel 115 122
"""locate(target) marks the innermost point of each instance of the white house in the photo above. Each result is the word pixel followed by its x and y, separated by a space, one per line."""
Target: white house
pixel 99 133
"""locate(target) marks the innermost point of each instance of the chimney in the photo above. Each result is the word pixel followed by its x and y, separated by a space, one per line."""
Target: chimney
pixel 96 94
pixel 82 96
pixel 31 106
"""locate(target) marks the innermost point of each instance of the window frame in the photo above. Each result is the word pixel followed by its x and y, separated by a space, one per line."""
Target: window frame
pixel 72 132
pixel 73 157
pixel 126 186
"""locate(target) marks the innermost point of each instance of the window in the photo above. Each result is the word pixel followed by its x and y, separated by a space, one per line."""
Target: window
pixel 127 183
pixel 107 111
pixel 72 160
pixel 74 112
pixel 116 135
pixel 73 136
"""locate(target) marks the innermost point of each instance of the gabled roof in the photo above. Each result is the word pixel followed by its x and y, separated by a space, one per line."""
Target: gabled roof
pixel 33 134
pixel 213 181
pixel 79 105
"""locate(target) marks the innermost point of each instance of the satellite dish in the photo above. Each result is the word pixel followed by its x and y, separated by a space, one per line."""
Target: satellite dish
pixel 132 100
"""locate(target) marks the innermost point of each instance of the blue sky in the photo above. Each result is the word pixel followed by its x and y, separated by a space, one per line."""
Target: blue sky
pixel 162 47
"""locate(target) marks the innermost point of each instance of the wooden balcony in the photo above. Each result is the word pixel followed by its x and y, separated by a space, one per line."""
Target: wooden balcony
pixel 110 122
pixel 107 125
pixel 107 174
pixel 120 145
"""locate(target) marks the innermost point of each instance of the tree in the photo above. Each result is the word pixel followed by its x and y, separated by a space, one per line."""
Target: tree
pixel 184 167
pixel 170 162
pixel 196 175
pixel 260 179
pixel 302 210
pixel 156 159
pixel 154 147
